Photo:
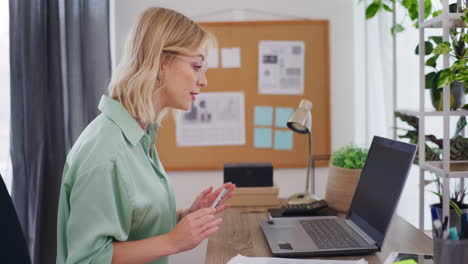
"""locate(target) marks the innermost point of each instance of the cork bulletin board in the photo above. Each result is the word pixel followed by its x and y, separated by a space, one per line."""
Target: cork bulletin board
pixel 246 36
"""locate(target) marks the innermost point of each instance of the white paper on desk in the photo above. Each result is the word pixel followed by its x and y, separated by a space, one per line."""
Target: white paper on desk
pixel 281 67
pixel 239 259
pixel 215 119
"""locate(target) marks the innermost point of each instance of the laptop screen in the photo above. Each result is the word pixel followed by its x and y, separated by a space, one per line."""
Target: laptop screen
pixel 380 185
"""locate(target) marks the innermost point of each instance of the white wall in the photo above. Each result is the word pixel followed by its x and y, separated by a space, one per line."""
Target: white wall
pixel 340 14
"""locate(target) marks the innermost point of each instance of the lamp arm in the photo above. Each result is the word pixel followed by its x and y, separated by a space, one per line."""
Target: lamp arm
pixel 309 161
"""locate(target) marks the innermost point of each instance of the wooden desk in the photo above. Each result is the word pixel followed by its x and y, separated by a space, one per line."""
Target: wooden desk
pixel 240 233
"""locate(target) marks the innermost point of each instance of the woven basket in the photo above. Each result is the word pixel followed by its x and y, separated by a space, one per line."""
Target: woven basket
pixel 340 187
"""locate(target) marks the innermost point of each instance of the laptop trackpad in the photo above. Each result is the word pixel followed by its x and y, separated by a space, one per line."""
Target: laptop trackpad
pixel 290 237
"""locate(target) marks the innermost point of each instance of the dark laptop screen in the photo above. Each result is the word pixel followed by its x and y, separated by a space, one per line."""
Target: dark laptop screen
pixel 379 188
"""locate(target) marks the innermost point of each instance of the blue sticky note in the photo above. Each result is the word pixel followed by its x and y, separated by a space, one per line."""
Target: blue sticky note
pixel 262 137
pixel 263 116
pixel 283 139
pixel 282 115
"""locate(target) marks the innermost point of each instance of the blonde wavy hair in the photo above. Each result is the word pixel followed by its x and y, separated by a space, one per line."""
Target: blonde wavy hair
pixel 157 33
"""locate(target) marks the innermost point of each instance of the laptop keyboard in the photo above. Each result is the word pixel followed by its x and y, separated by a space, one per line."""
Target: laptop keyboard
pixel 328 234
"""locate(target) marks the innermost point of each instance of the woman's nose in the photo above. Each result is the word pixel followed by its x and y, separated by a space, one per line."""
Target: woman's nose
pixel 202 81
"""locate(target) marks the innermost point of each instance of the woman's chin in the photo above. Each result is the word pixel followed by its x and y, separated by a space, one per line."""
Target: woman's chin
pixel 185 107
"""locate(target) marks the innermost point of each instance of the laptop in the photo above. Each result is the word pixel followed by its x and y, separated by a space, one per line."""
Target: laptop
pixel 366 224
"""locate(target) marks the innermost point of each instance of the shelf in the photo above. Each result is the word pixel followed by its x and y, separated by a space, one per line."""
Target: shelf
pixel 459 168
pixel 428 112
pixel 454 20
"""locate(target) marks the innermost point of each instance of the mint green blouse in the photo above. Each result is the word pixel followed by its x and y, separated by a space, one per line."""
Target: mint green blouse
pixel 112 189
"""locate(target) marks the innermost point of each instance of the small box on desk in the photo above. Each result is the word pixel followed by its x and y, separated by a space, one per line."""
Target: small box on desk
pixel 249 174
pixel 255 196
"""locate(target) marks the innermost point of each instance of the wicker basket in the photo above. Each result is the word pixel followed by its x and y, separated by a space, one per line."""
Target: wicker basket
pixel 340 187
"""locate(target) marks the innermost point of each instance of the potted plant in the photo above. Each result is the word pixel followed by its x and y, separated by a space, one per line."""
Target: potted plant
pixel 458 152
pixel 434 145
pixel 457 204
pixel 343 176
pixel 457 74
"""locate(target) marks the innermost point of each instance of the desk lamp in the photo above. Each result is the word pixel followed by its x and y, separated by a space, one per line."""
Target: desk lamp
pixel 301 122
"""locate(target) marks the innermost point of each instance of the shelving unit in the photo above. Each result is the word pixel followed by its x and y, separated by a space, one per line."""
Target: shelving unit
pixel 442 169
pixel 453 21
pixel 430 112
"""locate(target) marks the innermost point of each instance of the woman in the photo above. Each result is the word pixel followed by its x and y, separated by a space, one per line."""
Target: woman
pixel 116 201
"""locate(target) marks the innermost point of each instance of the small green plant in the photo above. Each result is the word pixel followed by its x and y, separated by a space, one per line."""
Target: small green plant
pixel 349 157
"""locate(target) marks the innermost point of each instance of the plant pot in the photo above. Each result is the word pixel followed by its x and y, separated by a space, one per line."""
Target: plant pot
pixel 454 217
pixel 340 187
pixel 457 96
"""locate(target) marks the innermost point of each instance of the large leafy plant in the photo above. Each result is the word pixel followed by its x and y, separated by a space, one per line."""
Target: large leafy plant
pixel 349 157
pixel 434 46
pixel 458 71
pixel 434 146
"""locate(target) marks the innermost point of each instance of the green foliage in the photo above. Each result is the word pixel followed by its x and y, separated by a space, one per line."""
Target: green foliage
pixel 436 13
pixel 432 61
pixel 430 78
pixel 397 28
pixel 442 48
pixel 465 16
pixel 349 157
pixel 460 125
pixel 427 8
pixel 446 78
pixel 435 46
pixel 459 65
pixel 387 8
pixel 437 39
pixel 428 48
pixel 373 8
pixel 458 144
pixel 452 203
pixel 462 76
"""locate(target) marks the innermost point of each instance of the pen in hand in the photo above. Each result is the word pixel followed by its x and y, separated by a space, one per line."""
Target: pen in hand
pixel 220 197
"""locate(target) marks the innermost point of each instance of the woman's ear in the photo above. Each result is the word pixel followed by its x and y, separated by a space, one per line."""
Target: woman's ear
pixel 161 71
pixel 163 66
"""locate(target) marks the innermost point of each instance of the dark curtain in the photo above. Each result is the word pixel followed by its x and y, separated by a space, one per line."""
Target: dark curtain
pixel 87 52
pixel 60 65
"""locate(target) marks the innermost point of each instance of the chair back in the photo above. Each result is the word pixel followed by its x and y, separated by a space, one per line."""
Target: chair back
pixel 13 248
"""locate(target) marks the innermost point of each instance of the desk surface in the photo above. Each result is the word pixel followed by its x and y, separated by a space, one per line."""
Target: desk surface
pixel 240 233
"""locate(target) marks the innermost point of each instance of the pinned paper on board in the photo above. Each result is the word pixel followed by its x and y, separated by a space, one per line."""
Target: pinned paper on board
pixel 213 58
pixel 263 116
pixel 231 57
pixel 283 140
pixel 215 119
pixel 262 137
pixel 281 67
pixel 282 115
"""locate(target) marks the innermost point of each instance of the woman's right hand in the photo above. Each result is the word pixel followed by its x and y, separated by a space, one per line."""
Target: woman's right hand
pixel 194 228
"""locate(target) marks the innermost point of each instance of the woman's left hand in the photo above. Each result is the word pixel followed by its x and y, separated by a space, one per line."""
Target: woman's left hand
pixel 208 196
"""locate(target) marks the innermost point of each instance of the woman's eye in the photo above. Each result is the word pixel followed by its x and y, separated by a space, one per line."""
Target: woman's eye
pixel 197 67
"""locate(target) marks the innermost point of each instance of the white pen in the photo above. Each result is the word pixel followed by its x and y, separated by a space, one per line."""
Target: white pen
pixel 221 195
pixel 438 228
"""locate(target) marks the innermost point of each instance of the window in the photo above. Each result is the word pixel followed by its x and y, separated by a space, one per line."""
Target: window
pixel 5 163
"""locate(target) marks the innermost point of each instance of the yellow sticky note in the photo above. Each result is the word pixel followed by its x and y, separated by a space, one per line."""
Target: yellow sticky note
pixel 408 261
